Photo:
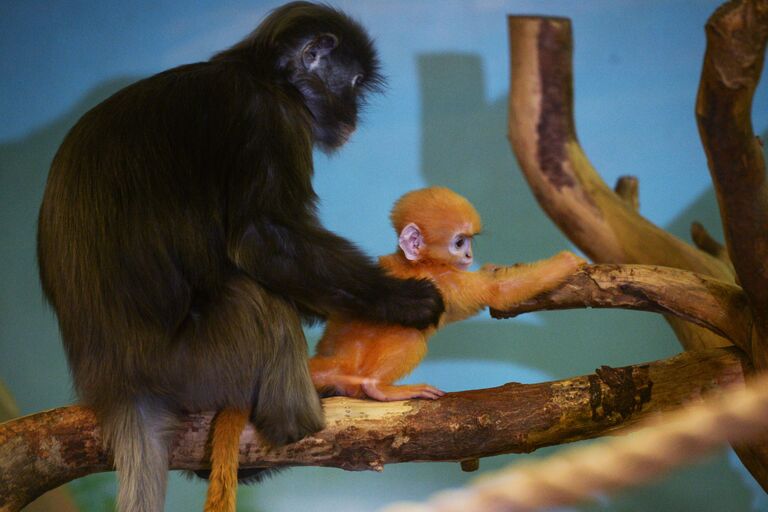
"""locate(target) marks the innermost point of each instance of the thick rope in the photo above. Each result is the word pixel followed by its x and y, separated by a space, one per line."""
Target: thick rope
pixel 586 472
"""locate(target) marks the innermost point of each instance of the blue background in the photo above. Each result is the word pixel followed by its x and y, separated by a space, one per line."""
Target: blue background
pixel 441 121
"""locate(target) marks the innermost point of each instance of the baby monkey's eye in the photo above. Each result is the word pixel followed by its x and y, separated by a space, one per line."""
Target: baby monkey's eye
pixel 460 242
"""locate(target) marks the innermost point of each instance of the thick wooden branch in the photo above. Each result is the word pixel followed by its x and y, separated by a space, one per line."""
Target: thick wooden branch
pixel 543 136
pixel 65 443
pixel 708 302
pixel 736 39
pixel 542 133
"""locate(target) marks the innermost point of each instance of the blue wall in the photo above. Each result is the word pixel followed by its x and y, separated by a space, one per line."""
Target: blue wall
pixel 441 121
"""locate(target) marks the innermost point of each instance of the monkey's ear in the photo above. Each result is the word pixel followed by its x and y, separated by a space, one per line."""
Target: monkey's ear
pixel 411 241
pixel 318 48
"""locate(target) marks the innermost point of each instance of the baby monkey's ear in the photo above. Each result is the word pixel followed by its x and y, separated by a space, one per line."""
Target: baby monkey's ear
pixel 411 241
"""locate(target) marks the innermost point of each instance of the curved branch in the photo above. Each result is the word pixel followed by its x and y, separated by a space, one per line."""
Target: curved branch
pixel 543 135
pixel 65 443
pixel 736 39
pixel 718 306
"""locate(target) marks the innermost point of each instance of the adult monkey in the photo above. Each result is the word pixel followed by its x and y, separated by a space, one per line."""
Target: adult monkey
pixel 179 245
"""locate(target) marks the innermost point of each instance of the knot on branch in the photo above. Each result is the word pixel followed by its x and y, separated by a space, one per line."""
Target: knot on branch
pixel 628 389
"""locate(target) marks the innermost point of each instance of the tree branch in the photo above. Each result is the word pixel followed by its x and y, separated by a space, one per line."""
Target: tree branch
pixel 598 221
pixel 65 443
pixel 543 136
pixel 718 306
pixel 736 39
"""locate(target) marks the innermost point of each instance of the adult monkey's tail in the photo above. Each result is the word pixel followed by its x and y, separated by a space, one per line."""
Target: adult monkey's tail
pixel 225 443
pixel 138 434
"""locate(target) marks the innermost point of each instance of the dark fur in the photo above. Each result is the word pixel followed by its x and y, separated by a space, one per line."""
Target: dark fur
pixel 179 245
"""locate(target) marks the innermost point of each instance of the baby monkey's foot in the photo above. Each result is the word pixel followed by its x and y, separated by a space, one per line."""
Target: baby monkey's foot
pixel 570 260
pixel 388 393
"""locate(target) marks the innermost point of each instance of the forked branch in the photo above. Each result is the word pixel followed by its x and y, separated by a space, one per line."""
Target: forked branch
pixel 542 132
pixel 606 226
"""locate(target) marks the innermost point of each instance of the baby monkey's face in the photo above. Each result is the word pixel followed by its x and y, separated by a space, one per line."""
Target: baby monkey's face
pixel 460 250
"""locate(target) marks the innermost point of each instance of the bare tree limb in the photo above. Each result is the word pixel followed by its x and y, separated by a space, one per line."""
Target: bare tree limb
pixel 710 303
pixel 580 473
pixel 605 227
pixel 736 39
pixel 66 443
pixel 543 137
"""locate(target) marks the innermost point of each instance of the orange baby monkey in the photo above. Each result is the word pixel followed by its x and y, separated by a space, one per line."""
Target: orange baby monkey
pixel 435 227
pixel 358 359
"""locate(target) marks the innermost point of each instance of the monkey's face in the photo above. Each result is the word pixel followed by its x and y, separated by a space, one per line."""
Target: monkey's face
pixel 460 250
pixel 334 78
pixel 454 249
pixel 439 243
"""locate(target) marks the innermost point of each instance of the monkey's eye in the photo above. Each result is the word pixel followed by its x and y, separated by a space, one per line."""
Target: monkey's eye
pixel 459 243
pixel 356 80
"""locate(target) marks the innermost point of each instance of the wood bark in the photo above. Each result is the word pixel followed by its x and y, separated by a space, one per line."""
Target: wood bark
pixel 736 40
pixel 47 449
pixel 716 305
pixel 543 136
pixel 605 224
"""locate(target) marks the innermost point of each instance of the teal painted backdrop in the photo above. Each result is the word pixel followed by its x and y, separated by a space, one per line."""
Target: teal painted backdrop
pixel 441 121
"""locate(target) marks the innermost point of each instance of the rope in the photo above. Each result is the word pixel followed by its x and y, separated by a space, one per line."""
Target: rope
pixel 586 472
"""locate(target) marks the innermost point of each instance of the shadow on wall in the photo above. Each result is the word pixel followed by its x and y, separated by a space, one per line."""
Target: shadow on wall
pixel 464 147
pixel 26 325
pixel 36 371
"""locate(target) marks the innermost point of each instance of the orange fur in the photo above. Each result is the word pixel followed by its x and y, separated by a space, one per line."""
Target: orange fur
pixel 439 211
pixel 360 360
pixel 225 444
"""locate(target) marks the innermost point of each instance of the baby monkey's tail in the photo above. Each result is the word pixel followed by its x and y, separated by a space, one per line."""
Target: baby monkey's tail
pixel 222 489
